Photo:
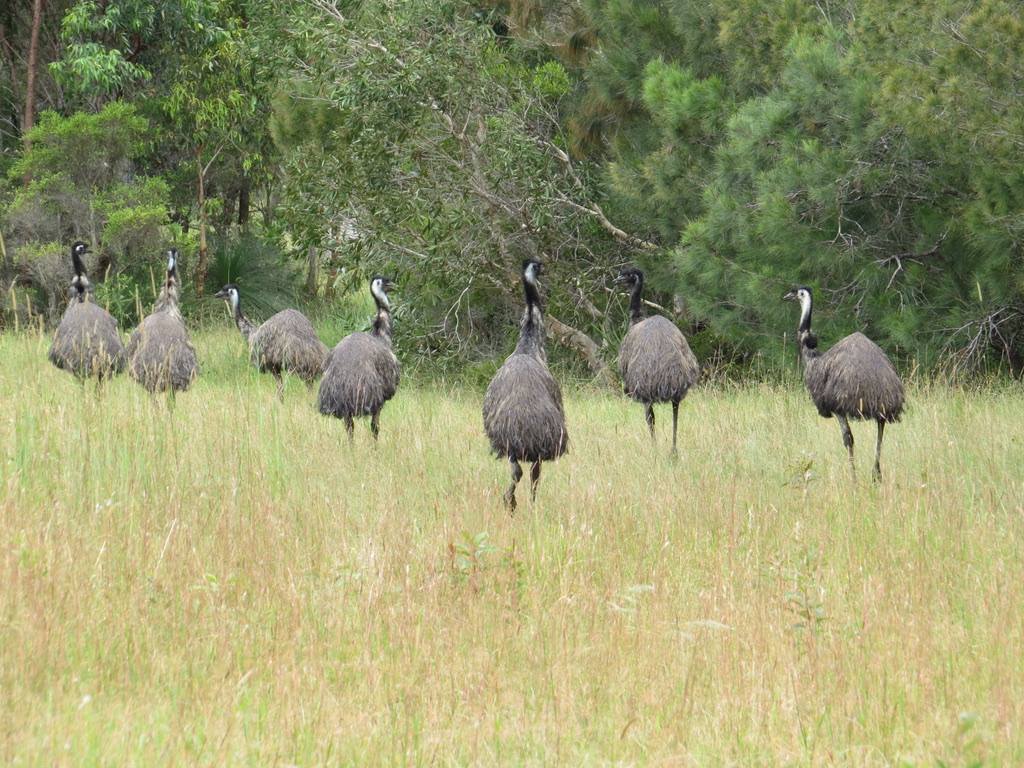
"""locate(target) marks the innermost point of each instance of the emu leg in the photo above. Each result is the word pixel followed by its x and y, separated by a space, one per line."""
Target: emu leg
pixel 350 428
pixel 675 425
pixel 534 479
pixel 844 425
pixel 510 494
pixel 878 451
pixel 280 385
pixel 375 424
pixel 649 415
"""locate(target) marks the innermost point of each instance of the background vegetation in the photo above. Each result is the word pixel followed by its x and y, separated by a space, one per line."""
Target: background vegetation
pixel 869 149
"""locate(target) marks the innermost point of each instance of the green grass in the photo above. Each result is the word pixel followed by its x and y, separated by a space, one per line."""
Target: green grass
pixel 230 583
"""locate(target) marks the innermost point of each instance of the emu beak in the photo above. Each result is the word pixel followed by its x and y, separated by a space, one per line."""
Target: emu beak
pixel 221 294
pixel 790 296
pixel 619 280
pixel 389 285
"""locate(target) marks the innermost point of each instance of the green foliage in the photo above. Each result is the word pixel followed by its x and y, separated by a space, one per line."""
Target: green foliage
pixel 268 280
pixel 127 298
pixel 868 149
pixel 864 150
pixel 83 185
pixel 118 43
pixel 431 153
pixel 91 150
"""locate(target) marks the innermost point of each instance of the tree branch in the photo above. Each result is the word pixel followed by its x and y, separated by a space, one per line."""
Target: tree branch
pixel 593 209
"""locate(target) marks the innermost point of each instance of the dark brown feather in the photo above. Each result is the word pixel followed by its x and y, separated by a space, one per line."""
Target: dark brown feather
pixel 855 379
pixel 87 343
pixel 360 374
pixel 656 362
pixel 288 342
pixel 161 357
pixel 523 414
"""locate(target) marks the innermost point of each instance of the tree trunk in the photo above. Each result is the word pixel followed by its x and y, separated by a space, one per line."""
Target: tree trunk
pixel 201 262
pixel 587 348
pixel 312 271
pixel 29 118
pixel 243 203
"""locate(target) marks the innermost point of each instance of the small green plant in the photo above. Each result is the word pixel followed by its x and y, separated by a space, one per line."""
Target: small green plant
pixel 801 473
pixel 469 556
pixel 126 298
pixel 805 596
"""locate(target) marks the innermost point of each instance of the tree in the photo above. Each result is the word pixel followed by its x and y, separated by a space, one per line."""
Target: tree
pixel 446 151
pixel 29 118
pixel 191 70
pixel 866 148
pixel 84 185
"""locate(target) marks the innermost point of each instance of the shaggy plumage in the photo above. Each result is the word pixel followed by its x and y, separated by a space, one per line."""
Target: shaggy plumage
pixel 852 380
pixel 523 415
pixel 855 379
pixel 286 341
pixel 362 373
pixel 655 361
pixel 522 410
pixel 161 357
pixel 87 342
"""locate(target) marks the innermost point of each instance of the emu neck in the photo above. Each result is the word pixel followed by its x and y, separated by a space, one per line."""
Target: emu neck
pixel 168 298
pixel 636 302
pixel 531 327
pixel 81 283
pixel 245 326
pixel 805 317
pixel 808 346
pixel 808 341
pixel 382 323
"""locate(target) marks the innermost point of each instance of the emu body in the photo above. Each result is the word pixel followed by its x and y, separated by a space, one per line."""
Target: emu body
pixel 522 410
pixel 285 342
pixel 86 342
pixel 161 356
pixel 655 360
pixel 853 380
pixel 362 373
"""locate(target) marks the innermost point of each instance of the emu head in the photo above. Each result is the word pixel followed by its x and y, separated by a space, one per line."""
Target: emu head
pixel 629 277
pixel 230 294
pixel 532 269
pixel 379 287
pixel 802 294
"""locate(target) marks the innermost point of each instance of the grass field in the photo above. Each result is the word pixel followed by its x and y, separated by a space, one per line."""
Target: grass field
pixel 231 583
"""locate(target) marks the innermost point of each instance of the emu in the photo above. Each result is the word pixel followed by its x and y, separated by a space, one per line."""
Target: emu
pixel 86 343
pixel 286 341
pixel 161 357
pixel 655 361
pixel 523 414
pixel 852 380
pixel 361 373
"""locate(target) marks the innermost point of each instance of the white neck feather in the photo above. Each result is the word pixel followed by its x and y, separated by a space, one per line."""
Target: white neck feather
pixel 805 308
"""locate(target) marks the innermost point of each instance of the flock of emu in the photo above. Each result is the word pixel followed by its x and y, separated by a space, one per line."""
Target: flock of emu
pixel 522 409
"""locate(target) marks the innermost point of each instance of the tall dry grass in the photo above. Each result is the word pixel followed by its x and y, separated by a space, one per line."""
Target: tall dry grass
pixel 231 583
